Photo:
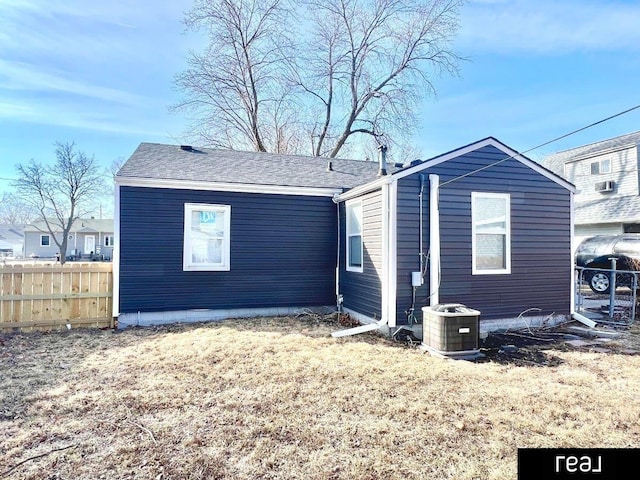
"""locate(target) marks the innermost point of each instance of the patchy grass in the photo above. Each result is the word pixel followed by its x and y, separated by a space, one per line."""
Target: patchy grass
pixel 281 399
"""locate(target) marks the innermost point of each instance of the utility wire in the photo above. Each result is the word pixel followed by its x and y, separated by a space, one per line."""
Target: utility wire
pixel 541 145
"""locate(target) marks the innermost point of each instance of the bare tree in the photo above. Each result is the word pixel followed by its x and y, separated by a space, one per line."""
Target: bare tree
pixel 61 193
pixel 115 166
pixel 14 211
pixel 353 70
pixel 236 88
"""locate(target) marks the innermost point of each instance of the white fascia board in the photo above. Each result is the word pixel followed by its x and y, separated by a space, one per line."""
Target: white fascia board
pixel 227 187
pixel 484 143
pixel 365 188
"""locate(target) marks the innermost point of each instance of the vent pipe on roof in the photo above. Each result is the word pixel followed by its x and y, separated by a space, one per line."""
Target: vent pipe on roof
pixel 383 160
pixel 186 148
pixel 329 166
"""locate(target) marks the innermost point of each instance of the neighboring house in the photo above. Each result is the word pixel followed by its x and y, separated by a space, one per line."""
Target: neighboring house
pixel 607 180
pixel 89 238
pixel 243 234
pixel 11 241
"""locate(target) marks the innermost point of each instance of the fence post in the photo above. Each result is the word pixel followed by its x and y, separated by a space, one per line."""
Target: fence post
pixel 612 287
pixel 634 298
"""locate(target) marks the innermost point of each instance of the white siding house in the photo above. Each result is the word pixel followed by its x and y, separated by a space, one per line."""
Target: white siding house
pixel 88 238
pixel 607 180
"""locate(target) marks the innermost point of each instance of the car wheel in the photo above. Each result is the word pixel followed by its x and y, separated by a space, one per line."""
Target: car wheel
pixel 599 282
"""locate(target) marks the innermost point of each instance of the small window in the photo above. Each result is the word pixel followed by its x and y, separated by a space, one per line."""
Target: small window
pixel 491 233
pixel 600 167
pixel 354 236
pixel 108 240
pixel 207 237
pixel 45 240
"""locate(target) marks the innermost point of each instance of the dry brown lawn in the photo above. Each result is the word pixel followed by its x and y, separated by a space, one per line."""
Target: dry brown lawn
pixel 281 399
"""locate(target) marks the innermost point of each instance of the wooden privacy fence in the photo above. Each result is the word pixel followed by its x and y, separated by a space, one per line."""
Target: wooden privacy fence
pixel 45 296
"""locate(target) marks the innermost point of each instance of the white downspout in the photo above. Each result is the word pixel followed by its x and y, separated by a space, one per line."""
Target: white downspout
pixel 116 254
pixel 572 304
pixel 434 240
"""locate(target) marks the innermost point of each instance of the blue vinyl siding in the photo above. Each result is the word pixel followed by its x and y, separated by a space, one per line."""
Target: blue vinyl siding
pixel 540 239
pixel 362 291
pixel 283 250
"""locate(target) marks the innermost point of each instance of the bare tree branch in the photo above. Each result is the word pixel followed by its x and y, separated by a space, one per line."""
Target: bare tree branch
pixel 280 71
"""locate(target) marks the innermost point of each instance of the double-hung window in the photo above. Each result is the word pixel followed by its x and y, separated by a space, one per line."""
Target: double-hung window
pixel 600 167
pixel 207 237
pixel 491 233
pixel 354 236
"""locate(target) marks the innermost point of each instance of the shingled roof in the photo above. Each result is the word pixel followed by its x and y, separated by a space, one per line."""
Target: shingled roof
pixel 87 225
pixel 556 161
pixel 614 209
pixel 173 162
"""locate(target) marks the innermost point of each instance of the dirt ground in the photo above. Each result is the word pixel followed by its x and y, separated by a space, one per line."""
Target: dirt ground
pixel 279 398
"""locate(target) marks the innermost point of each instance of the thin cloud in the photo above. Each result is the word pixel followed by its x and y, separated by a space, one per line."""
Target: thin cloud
pixel 550 28
pixel 17 76
pixel 117 122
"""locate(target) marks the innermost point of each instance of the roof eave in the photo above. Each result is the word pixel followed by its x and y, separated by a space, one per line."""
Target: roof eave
pixel 490 141
pixel 228 187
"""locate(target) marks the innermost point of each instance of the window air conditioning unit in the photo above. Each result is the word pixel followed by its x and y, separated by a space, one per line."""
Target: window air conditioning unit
pixel 605 186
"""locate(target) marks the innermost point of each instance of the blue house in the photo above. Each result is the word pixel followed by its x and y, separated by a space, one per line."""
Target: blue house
pixel 205 234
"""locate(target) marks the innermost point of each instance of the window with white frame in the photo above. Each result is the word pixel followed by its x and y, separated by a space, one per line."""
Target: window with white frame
pixel 354 236
pixel 491 233
pixel 108 240
pixel 45 240
pixel 600 167
pixel 207 237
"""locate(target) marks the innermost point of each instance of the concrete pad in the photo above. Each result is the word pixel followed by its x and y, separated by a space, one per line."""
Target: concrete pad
pixel 579 343
pixel 593 332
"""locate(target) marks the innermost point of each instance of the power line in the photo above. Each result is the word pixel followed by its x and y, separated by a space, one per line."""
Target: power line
pixel 543 144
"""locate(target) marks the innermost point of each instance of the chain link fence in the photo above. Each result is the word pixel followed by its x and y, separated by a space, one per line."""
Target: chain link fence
pixel 607 295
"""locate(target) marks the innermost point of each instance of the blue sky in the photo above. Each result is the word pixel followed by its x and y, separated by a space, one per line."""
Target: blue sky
pixel 100 74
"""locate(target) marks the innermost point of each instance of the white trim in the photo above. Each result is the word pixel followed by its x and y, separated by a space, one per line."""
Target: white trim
pixel 392 275
pixel 187 262
pixel 227 187
pixel 484 143
pixel 507 269
pixel 353 205
pixel 572 269
pixel 434 240
pixel 116 253
pixel 385 211
pixel 365 188
pixel 388 280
